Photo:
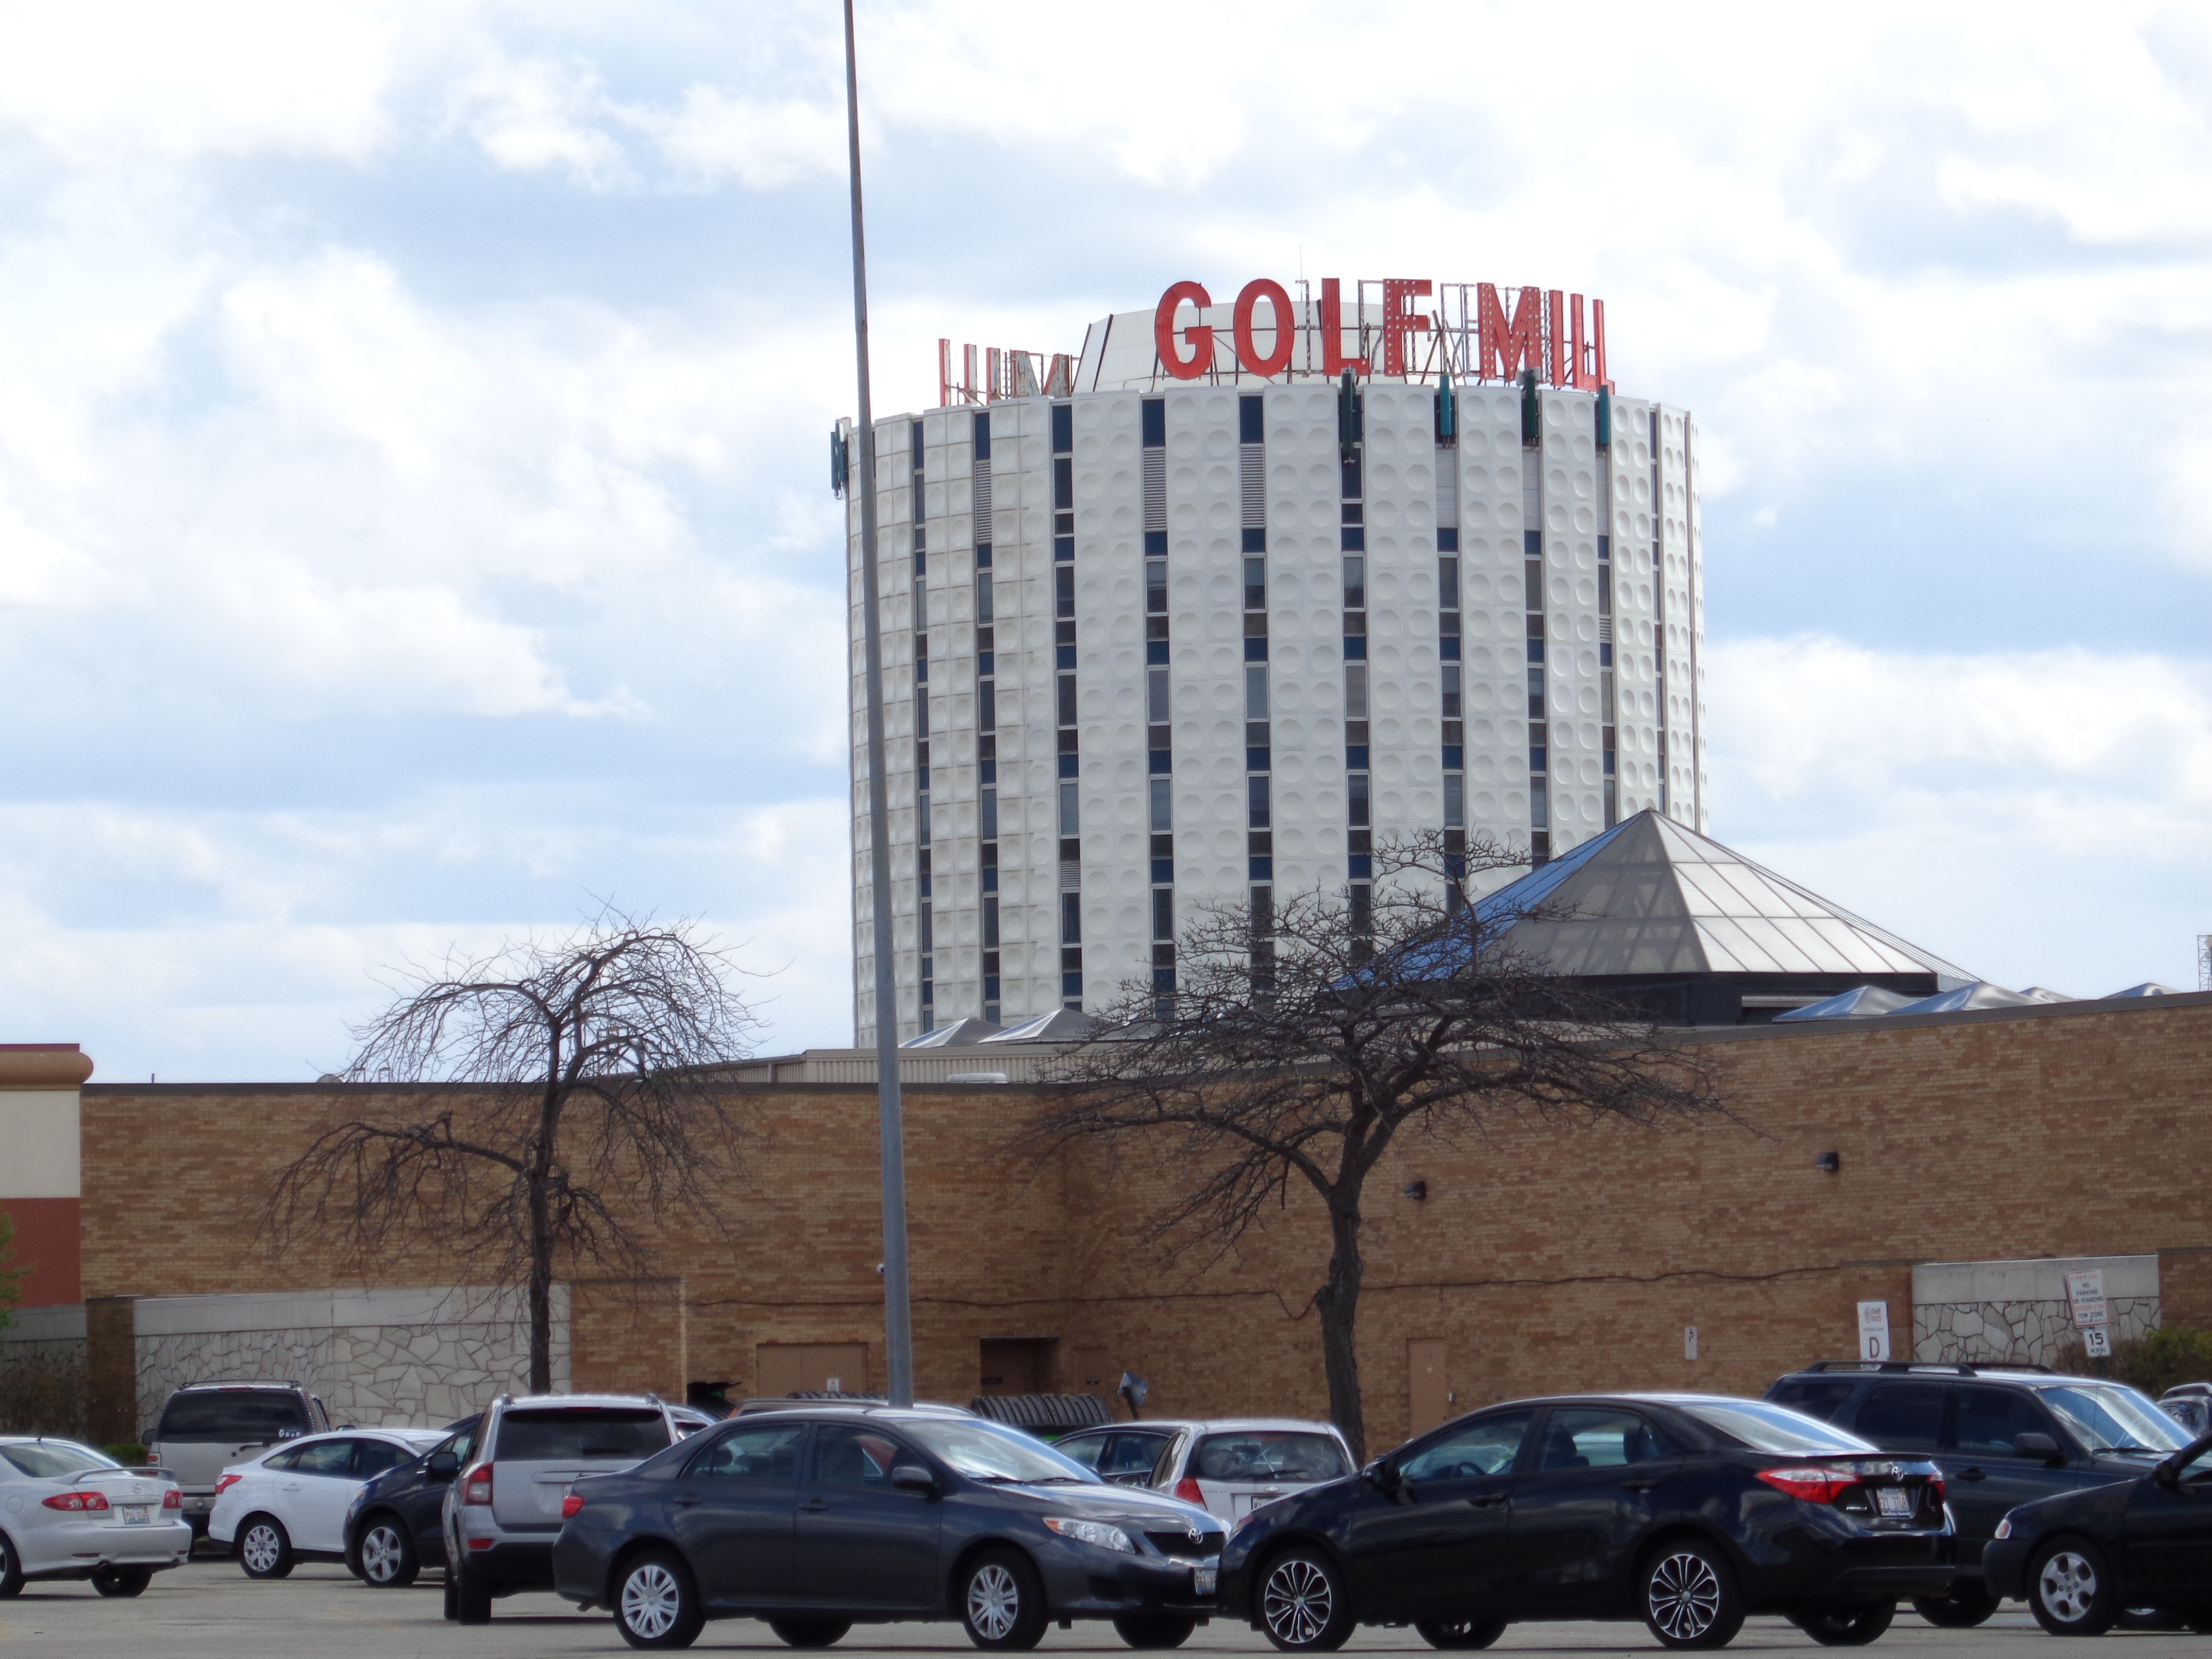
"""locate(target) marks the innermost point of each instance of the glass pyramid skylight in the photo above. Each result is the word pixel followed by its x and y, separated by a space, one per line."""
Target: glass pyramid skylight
pixel 1651 897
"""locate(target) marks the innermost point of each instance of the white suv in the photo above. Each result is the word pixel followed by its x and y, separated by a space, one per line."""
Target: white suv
pixel 504 1511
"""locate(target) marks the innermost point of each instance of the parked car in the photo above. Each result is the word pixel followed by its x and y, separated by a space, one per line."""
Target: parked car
pixel 500 1515
pixel 690 1420
pixel 67 1512
pixel 205 1427
pixel 819 1519
pixel 289 1504
pixel 1226 1466
pixel 2080 1558
pixel 2003 1436
pixel 1688 1511
pixel 394 1525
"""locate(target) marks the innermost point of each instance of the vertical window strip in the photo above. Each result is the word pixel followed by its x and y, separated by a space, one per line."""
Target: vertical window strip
pixel 1659 617
pixel 1159 740
pixel 924 918
pixel 1452 709
pixel 1359 835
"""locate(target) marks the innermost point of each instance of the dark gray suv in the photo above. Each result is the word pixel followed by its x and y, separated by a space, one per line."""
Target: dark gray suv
pixel 2002 1434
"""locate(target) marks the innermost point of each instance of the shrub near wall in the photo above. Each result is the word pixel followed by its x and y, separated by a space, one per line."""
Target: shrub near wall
pixel 43 1395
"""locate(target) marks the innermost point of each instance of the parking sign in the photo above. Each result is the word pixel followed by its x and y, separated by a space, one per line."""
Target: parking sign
pixel 1874 1330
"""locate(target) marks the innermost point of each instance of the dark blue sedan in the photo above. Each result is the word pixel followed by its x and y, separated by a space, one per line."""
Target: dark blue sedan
pixel 1688 1511
pixel 819 1519
pixel 2080 1557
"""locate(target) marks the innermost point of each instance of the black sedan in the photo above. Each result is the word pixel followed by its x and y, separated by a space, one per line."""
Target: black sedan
pixel 817 1519
pixel 394 1528
pixel 2081 1556
pixel 1686 1510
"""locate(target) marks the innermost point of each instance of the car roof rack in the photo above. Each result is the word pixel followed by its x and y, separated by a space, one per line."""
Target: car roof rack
pixel 1937 1367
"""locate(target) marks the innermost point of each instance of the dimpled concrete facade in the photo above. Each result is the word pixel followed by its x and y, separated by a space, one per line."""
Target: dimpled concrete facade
pixel 1118 545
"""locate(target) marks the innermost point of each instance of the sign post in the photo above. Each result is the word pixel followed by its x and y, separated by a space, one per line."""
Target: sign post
pixel 2084 1295
pixel 1874 1330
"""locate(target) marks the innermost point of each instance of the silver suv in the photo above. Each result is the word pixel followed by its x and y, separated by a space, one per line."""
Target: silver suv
pixel 206 1427
pixel 504 1511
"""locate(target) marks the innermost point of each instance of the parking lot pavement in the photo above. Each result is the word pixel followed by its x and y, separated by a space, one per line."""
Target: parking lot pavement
pixel 210 1610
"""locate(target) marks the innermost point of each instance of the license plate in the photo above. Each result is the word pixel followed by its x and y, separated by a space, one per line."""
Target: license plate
pixel 1205 1578
pixel 1896 1501
pixel 137 1515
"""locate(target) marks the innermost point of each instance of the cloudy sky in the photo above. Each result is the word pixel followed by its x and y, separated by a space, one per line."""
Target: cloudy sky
pixel 413 526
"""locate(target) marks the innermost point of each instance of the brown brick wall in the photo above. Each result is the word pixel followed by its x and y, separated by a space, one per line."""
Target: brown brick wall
pixel 1547 1255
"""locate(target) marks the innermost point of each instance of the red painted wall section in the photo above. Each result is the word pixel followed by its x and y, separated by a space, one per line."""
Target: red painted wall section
pixel 48 1241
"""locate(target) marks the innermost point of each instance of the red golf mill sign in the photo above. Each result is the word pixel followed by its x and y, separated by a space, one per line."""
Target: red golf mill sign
pixel 1471 333
pixel 1401 327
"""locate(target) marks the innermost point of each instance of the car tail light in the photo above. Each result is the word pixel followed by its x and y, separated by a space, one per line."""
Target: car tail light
pixel 1187 1489
pixel 476 1485
pixel 172 1499
pixel 571 1504
pixel 76 1500
pixel 1935 1485
pixel 224 1483
pixel 1812 1483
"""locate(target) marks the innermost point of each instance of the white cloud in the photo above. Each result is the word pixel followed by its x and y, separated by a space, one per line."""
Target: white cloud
pixel 2038 816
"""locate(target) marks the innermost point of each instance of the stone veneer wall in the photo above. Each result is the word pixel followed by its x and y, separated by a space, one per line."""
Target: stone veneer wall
pixel 1990 1311
pixel 421 1356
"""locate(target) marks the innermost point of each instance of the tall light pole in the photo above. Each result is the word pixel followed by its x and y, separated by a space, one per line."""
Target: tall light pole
pixel 898 1329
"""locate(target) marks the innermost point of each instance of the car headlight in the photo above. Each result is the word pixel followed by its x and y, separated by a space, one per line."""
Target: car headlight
pixel 1103 1533
pixel 2004 1528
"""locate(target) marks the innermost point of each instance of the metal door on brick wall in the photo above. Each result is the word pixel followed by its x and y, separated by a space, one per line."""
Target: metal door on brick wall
pixel 1428 1388
pixel 788 1368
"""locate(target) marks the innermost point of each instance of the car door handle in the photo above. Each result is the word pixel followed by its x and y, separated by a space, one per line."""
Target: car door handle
pixel 1971 1474
pixel 814 1506
pixel 686 1499
pixel 1487 1501
pixel 1639 1485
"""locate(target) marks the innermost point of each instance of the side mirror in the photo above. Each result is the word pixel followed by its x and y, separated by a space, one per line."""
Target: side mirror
pixel 912 1477
pixel 1382 1476
pixel 2037 1445
pixel 441 1465
pixel 2167 1474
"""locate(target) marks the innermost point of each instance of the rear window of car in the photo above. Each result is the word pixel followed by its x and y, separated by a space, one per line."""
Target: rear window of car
pixel 1820 1400
pixel 1770 1428
pixel 553 1434
pixel 244 1415
pixel 51 1459
pixel 1268 1454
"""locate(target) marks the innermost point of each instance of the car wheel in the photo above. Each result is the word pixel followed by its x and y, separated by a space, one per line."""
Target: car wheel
pixel 810 1632
pixel 387 1554
pixel 11 1569
pixel 2069 1589
pixel 122 1581
pixel 1962 1606
pixel 1155 1630
pixel 656 1605
pixel 1846 1627
pixel 1690 1598
pixel 1002 1602
pixel 264 1547
pixel 471 1596
pixel 1460 1632
pixel 1305 1606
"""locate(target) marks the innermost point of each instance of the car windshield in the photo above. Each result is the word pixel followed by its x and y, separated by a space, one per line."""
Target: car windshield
pixel 239 1416
pixel 1771 1428
pixel 53 1460
pixel 982 1453
pixel 555 1434
pixel 2110 1417
pixel 1268 1455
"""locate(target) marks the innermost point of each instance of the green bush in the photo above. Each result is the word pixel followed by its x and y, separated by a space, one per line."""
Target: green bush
pixel 2159 1358
pixel 127 1452
pixel 43 1396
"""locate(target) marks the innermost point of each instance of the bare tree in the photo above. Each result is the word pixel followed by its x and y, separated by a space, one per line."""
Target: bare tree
pixel 1300 1042
pixel 574 1098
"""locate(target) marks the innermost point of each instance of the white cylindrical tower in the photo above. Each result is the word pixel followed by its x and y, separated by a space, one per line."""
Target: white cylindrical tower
pixel 1160 643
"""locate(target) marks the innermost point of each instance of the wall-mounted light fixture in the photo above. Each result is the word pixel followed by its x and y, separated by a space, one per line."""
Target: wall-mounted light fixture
pixel 1829 1162
pixel 1416 1190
